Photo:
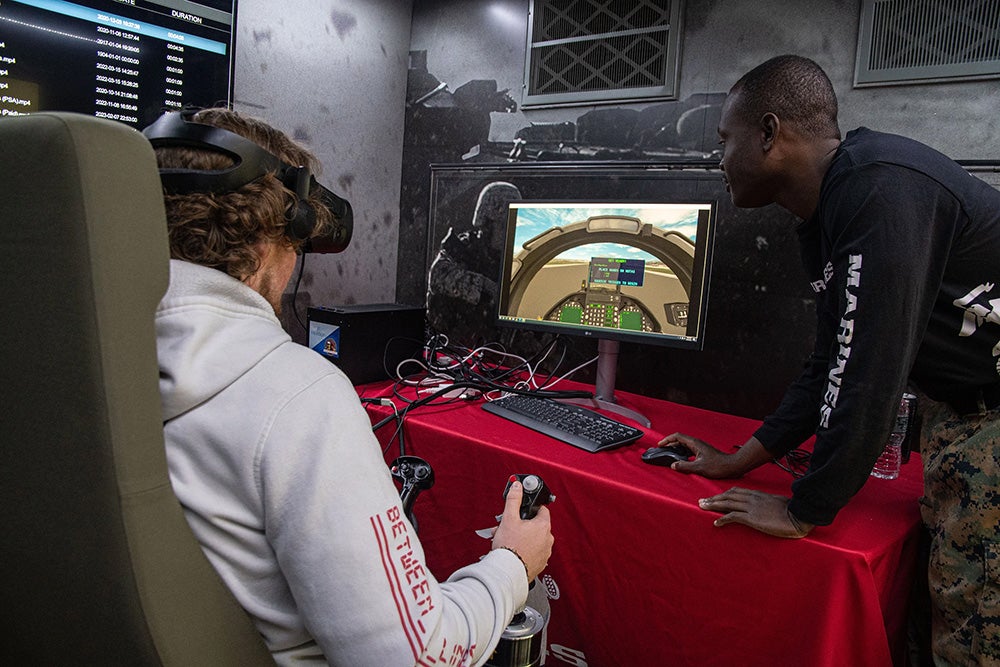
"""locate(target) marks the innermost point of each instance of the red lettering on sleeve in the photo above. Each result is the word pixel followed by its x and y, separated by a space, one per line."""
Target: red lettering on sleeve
pixel 388 551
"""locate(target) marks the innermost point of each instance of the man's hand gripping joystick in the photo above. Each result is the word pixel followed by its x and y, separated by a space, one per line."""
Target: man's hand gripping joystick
pixel 525 525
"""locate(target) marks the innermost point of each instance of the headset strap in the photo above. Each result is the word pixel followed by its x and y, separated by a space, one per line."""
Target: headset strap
pixel 250 161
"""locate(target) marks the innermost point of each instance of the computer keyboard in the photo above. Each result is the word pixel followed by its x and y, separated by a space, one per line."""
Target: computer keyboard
pixel 571 424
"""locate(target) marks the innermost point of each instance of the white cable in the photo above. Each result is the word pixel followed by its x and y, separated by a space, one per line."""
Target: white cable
pixel 551 347
pixel 411 360
pixel 567 374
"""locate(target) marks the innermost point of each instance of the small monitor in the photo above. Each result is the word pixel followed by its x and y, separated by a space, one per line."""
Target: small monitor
pixel 614 271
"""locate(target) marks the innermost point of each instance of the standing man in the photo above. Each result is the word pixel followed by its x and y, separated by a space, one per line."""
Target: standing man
pixel 902 247
pixel 269 449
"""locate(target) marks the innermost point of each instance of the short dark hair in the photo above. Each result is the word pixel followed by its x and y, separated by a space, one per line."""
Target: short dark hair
pixel 793 88
pixel 220 230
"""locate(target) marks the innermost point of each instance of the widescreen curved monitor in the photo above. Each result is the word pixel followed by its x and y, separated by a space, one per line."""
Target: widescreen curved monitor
pixel 620 271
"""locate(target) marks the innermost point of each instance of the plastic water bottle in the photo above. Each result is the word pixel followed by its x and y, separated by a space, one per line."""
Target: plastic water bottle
pixel 887 466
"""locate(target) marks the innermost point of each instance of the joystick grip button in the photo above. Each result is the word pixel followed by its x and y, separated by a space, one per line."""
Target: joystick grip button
pixel 531 483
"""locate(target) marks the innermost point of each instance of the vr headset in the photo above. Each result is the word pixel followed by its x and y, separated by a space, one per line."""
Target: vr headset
pixel 250 162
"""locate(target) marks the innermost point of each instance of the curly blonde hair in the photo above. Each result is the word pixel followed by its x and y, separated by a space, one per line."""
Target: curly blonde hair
pixel 221 230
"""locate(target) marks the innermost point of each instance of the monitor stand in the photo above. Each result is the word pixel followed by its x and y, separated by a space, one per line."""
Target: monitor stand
pixel 604 394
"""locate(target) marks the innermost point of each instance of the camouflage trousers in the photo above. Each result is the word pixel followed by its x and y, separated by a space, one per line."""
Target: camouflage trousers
pixel 961 510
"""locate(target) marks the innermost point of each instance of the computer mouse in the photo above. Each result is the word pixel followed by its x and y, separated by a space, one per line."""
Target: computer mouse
pixel 665 456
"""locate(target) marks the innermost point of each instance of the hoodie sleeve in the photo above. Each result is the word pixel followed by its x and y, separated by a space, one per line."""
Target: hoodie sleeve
pixel 353 562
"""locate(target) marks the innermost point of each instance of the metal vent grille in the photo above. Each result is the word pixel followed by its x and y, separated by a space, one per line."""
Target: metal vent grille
pixel 585 51
pixel 923 41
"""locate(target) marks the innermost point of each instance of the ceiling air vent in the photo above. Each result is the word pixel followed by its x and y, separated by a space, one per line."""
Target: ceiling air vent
pixel 927 41
pixel 594 51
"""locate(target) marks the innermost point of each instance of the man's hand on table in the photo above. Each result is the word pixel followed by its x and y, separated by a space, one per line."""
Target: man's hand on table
pixel 761 511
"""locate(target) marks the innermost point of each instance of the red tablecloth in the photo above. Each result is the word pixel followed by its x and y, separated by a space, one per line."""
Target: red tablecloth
pixel 640 576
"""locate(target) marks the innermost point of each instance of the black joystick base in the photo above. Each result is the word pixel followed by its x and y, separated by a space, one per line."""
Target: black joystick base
pixel 522 641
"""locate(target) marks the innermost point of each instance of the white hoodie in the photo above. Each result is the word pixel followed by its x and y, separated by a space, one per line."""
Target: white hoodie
pixel 283 482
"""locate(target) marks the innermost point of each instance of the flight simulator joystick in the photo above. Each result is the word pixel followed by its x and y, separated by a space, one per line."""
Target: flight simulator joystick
pixel 536 494
pixel 522 641
pixel 415 475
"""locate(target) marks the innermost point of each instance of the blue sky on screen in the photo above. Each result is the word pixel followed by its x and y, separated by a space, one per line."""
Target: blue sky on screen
pixel 532 220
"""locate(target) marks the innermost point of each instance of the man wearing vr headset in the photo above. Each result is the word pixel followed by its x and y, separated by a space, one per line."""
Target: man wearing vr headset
pixel 269 449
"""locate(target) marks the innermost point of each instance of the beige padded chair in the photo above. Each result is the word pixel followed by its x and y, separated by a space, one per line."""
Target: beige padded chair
pixel 97 563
